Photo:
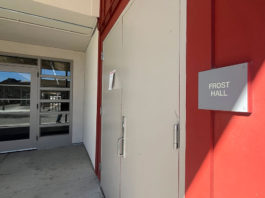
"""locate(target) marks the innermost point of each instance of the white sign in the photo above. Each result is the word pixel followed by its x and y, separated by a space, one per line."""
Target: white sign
pixel 111 79
pixel 224 89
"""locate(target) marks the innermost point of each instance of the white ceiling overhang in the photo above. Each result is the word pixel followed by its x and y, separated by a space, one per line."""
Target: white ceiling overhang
pixel 37 23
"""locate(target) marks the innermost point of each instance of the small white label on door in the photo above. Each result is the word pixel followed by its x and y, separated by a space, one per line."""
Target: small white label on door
pixel 111 79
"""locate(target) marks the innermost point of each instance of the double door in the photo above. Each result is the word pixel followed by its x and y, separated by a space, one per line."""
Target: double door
pixel 140 103
pixel 35 105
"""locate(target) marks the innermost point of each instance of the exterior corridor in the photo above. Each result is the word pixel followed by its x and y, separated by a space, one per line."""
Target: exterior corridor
pixel 62 172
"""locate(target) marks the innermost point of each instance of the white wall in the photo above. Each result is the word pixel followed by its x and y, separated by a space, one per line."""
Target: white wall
pixel 78 75
pixel 90 105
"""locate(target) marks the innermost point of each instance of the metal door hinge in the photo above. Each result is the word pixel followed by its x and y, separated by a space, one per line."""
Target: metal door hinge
pixel 176 137
pixel 37 138
pixel 38 74
pixel 37 106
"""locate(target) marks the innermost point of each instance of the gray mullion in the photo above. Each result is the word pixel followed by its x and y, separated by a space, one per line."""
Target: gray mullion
pixel 54 89
pixel 10 85
pixel 55 101
pixel 13 99
pixel 54 125
pixel 55 76
pixel 15 113
pixel 54 113
pixel 14 125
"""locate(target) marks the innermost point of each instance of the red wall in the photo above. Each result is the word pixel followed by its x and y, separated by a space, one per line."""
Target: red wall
pixel 225 151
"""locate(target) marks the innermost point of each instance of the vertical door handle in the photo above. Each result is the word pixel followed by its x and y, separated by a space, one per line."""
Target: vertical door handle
pixel 123 135
pixel 119 146
pixel 121 140
pixel 176 136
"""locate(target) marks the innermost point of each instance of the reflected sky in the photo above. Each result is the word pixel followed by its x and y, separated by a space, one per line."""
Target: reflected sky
pixel 55 72
pixel 23 77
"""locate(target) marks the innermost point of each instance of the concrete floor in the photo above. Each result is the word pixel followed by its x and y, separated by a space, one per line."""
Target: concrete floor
pixel 58 173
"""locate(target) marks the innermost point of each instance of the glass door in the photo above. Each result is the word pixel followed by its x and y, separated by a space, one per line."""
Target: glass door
pixel 55 104
pixel 18 108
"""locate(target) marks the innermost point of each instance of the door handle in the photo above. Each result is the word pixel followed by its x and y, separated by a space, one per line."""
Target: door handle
pixel 176 136
pixel 119 146
pixel 121 140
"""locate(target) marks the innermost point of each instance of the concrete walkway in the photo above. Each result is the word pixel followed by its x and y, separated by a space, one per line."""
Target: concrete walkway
pixel 58 173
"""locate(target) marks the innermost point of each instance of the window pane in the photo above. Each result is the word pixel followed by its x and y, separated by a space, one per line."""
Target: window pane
pixel 18 60
pixel 53 82
pixel 55 68
pixel 14 92
pixel 14 106
pixel 14 78
pixel 11 119
pixel 55 95
pixel 54 106
pixel 54 118
pixel 14 133
pixel 48 131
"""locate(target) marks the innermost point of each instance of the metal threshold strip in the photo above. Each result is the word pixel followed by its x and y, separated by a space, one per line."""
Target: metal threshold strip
pixel 19 150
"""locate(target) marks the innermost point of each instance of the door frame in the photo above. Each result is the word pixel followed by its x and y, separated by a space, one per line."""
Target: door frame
pixel 31 143
pixel 122 7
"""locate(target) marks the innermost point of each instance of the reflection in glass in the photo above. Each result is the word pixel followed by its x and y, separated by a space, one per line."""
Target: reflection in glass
pixel 54 82
pixel 56 68
pixel 55 95
pixel 14 133
pixel 11 119
pixel 14 92
pixel 54 106
pixel 54 118
pixel 15 102
pixel 47 131
pixel 14 78
pixel 18 60
pixel 14 106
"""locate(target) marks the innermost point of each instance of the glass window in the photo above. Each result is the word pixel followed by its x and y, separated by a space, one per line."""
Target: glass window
pixel 54 106
pixel 59 130
pixel 54 82
pixel 55 95
pixel 62 118
pixel 14 78
pixel 14 92
pixel 54 112
pixel 56 68
pixel 8 119
pixel 14 133
pixel 14 85
pixel 18 60
pixel 14 106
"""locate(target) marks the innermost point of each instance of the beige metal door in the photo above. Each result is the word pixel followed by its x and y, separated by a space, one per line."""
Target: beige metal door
pixel 150 99
pixel 111 116
pixel 144 49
